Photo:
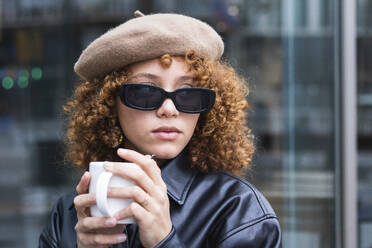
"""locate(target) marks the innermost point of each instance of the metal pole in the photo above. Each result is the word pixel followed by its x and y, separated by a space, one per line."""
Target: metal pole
pixel 288 39
pixel 1 20
pixel 349 110
pixel 337 119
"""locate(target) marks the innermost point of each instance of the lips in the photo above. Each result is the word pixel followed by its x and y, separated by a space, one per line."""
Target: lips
pixel 167 129
pixel 166 133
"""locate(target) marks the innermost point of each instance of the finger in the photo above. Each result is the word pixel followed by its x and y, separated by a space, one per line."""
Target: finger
pixel 119 228
pixel 85 200
pixel 133 192
pixel 83 186
pixel 134 210
pixel 145 162
pixel 90 224
pixel 82 202
pixel 135 174
pixel 91 239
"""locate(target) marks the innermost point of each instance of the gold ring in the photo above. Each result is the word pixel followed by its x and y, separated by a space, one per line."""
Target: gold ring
pixel 145 202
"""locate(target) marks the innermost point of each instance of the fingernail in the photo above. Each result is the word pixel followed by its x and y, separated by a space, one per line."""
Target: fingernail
pixel 122 151
pixel 122 237
pixel 110 222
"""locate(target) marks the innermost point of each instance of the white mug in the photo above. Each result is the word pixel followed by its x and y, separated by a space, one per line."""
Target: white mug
pixel 100 181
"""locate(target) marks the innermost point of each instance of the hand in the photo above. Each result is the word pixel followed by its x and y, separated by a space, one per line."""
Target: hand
pixel 94 231
pixel 151 204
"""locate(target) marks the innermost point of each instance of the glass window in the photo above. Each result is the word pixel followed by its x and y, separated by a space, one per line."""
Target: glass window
pixel 364 61
pixel 286 48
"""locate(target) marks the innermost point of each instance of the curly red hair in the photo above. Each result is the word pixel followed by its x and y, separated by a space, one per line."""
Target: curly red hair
pixel 221 140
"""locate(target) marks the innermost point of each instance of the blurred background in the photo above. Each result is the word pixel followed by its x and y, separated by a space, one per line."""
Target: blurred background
pixel 290 50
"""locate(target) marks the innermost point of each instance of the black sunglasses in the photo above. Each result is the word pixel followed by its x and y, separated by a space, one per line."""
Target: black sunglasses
pixel 150 97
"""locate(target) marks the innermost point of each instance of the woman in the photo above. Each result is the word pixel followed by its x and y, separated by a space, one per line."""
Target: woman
pixel 156 85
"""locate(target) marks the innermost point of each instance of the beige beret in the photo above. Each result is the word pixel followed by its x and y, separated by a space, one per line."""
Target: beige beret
pixel 147 37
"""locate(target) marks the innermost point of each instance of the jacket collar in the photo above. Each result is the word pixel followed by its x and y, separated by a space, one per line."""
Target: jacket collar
pixel 178 177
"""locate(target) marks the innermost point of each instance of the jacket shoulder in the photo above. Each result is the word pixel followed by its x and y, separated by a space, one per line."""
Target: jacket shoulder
pixel 64 204
pixel 66 201
pixel 245 189
pixel 235 190
pixel 61 218
pixel 245 216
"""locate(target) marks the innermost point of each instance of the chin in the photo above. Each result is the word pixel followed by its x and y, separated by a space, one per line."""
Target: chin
pixel 167 152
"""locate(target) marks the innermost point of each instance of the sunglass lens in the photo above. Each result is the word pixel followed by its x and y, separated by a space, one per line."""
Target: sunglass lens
pixel 194 101
pixel 189 100
pixel 144 97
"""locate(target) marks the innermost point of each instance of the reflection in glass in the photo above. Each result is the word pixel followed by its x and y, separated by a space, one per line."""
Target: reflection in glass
pixel 292 64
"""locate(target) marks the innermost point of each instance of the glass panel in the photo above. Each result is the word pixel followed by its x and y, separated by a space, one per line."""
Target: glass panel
pixel 286 49
pixel 39 43
pixel 364 75
pixel 33 85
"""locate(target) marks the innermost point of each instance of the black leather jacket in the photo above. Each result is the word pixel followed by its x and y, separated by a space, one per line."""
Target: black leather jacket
pixel 207 210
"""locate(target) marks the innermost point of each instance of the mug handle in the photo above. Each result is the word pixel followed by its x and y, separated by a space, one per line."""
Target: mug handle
pixel 101 193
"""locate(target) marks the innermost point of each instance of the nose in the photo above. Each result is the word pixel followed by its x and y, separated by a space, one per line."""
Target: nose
pixel 167 109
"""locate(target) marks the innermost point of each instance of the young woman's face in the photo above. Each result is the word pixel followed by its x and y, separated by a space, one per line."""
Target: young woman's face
pixel 164 131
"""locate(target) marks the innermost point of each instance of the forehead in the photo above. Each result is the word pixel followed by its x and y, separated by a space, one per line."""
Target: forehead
pixel 178 67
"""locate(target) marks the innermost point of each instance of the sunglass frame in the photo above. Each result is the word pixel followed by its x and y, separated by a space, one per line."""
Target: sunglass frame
pixel 210 94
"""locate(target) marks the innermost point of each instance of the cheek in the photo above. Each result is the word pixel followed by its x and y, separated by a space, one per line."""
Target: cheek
pixel 190 122
pixel 131 120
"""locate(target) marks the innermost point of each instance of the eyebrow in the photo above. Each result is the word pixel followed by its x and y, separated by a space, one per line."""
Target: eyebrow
pixel 186 78
pixel 145 75
pixel 155 77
